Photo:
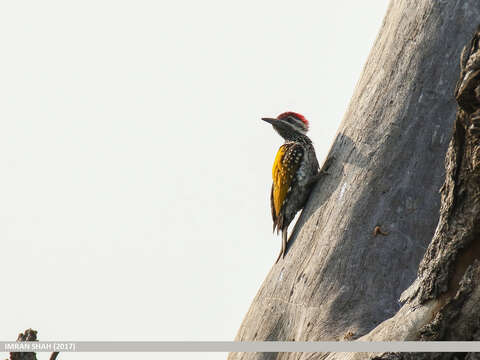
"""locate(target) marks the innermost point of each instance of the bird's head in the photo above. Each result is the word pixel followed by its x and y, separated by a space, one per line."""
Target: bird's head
pixel 289 124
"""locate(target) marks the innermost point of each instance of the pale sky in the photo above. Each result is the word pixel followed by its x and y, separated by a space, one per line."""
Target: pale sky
pixel 135 170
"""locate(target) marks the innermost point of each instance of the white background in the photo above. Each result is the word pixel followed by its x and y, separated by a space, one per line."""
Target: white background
pixel 134 169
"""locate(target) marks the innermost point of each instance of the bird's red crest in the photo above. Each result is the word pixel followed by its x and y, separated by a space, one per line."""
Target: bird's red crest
pixel 294 114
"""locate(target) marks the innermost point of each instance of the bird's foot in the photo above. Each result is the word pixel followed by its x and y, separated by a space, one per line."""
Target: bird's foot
pixel 325 167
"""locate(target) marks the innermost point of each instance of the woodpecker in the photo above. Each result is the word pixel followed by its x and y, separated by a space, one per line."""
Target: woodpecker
pixel 295 171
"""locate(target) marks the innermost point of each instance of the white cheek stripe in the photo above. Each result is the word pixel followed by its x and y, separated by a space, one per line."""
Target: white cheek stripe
pixel 298 128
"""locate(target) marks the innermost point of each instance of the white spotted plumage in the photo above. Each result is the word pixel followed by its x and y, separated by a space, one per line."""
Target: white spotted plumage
pixel 294 171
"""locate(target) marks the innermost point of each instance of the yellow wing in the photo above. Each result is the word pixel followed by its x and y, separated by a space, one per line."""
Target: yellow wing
pixel 284 169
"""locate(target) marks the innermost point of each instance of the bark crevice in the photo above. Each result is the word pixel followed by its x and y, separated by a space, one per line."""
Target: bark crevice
pixel 456 244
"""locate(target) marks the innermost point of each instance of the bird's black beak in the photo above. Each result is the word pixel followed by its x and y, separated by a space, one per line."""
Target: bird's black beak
pixel 270 120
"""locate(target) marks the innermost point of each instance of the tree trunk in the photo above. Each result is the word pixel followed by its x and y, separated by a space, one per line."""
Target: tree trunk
pixel 444 301
pixel 359 241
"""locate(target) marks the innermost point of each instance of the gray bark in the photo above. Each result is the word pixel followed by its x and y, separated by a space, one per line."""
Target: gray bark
pixel 444 301
pixel 338 280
